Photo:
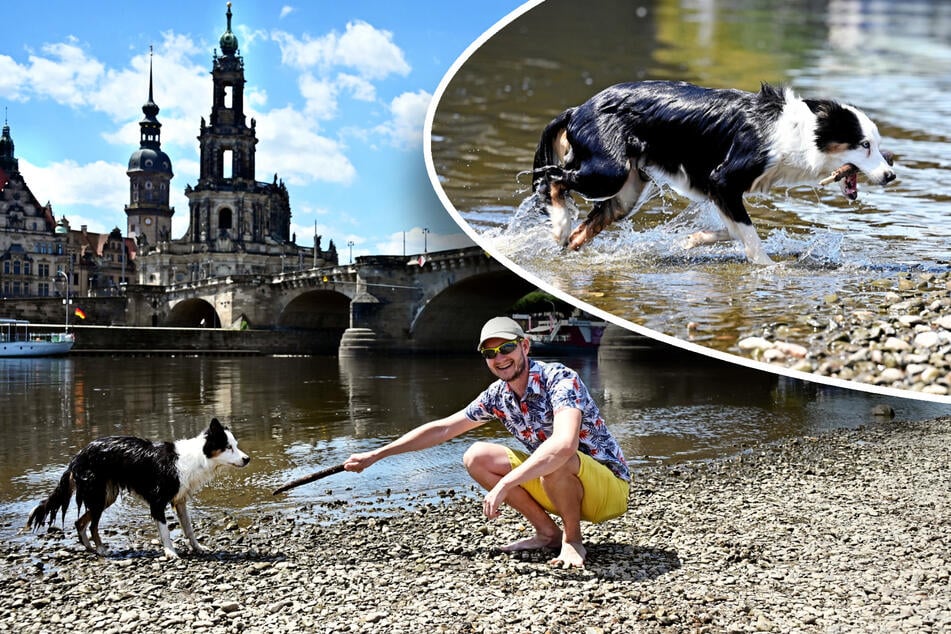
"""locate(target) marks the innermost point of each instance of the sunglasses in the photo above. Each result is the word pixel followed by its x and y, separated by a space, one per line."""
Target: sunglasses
pixel 504 348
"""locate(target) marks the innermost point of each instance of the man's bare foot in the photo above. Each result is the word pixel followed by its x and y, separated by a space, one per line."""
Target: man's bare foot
pixel 571 556
pixel 535 542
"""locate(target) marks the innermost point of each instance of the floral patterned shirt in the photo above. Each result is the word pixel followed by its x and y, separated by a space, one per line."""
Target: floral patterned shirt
pixel 551 387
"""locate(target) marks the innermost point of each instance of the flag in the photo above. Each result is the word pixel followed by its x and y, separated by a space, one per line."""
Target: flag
pixel 79 312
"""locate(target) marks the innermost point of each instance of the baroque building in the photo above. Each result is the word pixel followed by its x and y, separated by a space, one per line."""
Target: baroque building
pixel 237 225
pixel 40 256
pixel 31 251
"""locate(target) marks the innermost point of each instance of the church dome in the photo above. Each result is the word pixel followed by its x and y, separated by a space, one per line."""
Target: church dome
pixel 228 41
pixel 150 160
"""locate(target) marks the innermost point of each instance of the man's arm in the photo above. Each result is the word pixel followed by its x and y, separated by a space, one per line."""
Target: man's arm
pixel 422 437
pixel 551 455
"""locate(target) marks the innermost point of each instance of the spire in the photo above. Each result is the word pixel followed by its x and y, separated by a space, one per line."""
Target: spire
pixel 228 41
pixel 8 162
pixel 150 109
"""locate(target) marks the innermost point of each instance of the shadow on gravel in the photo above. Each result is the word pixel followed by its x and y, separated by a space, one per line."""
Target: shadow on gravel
pixel 609 560
pixel 613 560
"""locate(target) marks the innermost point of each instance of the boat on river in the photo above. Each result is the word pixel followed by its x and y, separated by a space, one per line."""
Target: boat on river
pixel 575 334
pixel 17 339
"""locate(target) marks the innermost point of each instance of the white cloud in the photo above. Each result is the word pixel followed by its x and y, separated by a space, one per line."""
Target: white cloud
pixel 358 87
pixel 405 127
pixel 286 10
pixel 67 183
pixel 66 75
pixel 320 96
pixel 289 146
pixel 368 51
pixel 13 79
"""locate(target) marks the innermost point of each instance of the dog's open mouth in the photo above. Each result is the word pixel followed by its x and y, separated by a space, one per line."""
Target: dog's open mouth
pixel 848 178
pixel 850 184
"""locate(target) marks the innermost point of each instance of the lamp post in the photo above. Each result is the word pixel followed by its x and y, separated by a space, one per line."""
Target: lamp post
pixel 350 244
pixel 425 234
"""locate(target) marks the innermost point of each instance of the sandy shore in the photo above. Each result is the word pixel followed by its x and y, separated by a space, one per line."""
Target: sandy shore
pixel 847 532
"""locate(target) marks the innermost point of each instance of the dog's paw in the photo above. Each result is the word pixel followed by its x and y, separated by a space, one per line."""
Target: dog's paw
pixel 198 548
pixel 560 221
pixel 579 237
pixel 170 553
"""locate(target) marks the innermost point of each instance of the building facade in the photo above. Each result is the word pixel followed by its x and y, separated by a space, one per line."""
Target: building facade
pixel 30 249
pixel 40 256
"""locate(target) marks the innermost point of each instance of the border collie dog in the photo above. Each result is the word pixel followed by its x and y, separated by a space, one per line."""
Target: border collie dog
pixel 161 473
pixel 706 144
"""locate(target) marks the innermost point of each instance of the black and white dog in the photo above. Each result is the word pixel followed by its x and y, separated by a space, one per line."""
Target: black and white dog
pixel 161 473
pixel 705 143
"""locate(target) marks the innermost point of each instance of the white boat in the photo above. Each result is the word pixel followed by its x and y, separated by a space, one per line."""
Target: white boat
pixel 574 334
pixel 17 340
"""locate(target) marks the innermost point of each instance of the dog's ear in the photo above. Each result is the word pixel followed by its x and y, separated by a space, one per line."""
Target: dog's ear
pixel 215 438
pixel 837 127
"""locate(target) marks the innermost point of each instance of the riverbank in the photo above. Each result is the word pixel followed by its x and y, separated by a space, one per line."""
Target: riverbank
pixel 894 333
pixel 847 532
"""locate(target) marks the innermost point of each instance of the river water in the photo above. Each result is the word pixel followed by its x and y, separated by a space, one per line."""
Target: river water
pixel 892 59
pixel 294 415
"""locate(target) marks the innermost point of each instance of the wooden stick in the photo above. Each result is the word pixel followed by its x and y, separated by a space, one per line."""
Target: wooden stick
pixel 839 174
pixel 317 475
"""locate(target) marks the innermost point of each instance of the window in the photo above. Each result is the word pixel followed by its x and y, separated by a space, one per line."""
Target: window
pixel 227 166
pixel 229 97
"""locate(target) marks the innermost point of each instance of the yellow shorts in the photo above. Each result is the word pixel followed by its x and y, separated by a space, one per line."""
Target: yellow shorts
pixel 605 494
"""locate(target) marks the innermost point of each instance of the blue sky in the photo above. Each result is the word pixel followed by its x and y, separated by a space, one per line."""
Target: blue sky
pixel 339 91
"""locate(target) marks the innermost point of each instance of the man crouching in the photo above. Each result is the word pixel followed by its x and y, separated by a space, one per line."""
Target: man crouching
pixel 574 468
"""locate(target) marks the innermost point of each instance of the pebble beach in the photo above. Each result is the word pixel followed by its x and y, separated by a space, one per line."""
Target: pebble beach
pixel 846 532
pixel 894 332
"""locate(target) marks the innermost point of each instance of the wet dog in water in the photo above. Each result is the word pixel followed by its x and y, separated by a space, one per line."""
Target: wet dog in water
pixel 707 144
pixel 161 473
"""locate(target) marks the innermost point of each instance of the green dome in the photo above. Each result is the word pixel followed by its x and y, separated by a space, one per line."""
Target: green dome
pixel 228 41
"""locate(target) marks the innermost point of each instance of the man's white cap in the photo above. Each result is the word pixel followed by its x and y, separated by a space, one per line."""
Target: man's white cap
pixel 500 328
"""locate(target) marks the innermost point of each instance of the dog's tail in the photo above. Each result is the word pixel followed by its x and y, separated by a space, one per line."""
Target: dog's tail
pixel 58 501
pixel 546 158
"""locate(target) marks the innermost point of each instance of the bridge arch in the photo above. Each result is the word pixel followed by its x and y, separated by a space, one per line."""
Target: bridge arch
pixel 320 309
pixel 450 321
pixel 193 313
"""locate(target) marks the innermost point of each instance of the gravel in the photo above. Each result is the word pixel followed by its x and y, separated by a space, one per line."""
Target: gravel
pixel 846 532
pixel 894 332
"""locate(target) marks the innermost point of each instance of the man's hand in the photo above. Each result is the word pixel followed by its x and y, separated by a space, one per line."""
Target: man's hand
pixel 492 503
pixel 360 461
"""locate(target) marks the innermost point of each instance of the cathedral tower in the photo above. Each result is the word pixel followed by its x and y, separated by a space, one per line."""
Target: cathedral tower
pixel 228 209
pixel 237 225
pixel 149 215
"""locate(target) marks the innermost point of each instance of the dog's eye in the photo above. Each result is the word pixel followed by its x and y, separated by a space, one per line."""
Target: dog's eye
pixel 866 145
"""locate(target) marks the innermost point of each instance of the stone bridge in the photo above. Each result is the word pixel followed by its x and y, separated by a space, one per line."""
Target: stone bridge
pixel 434 302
